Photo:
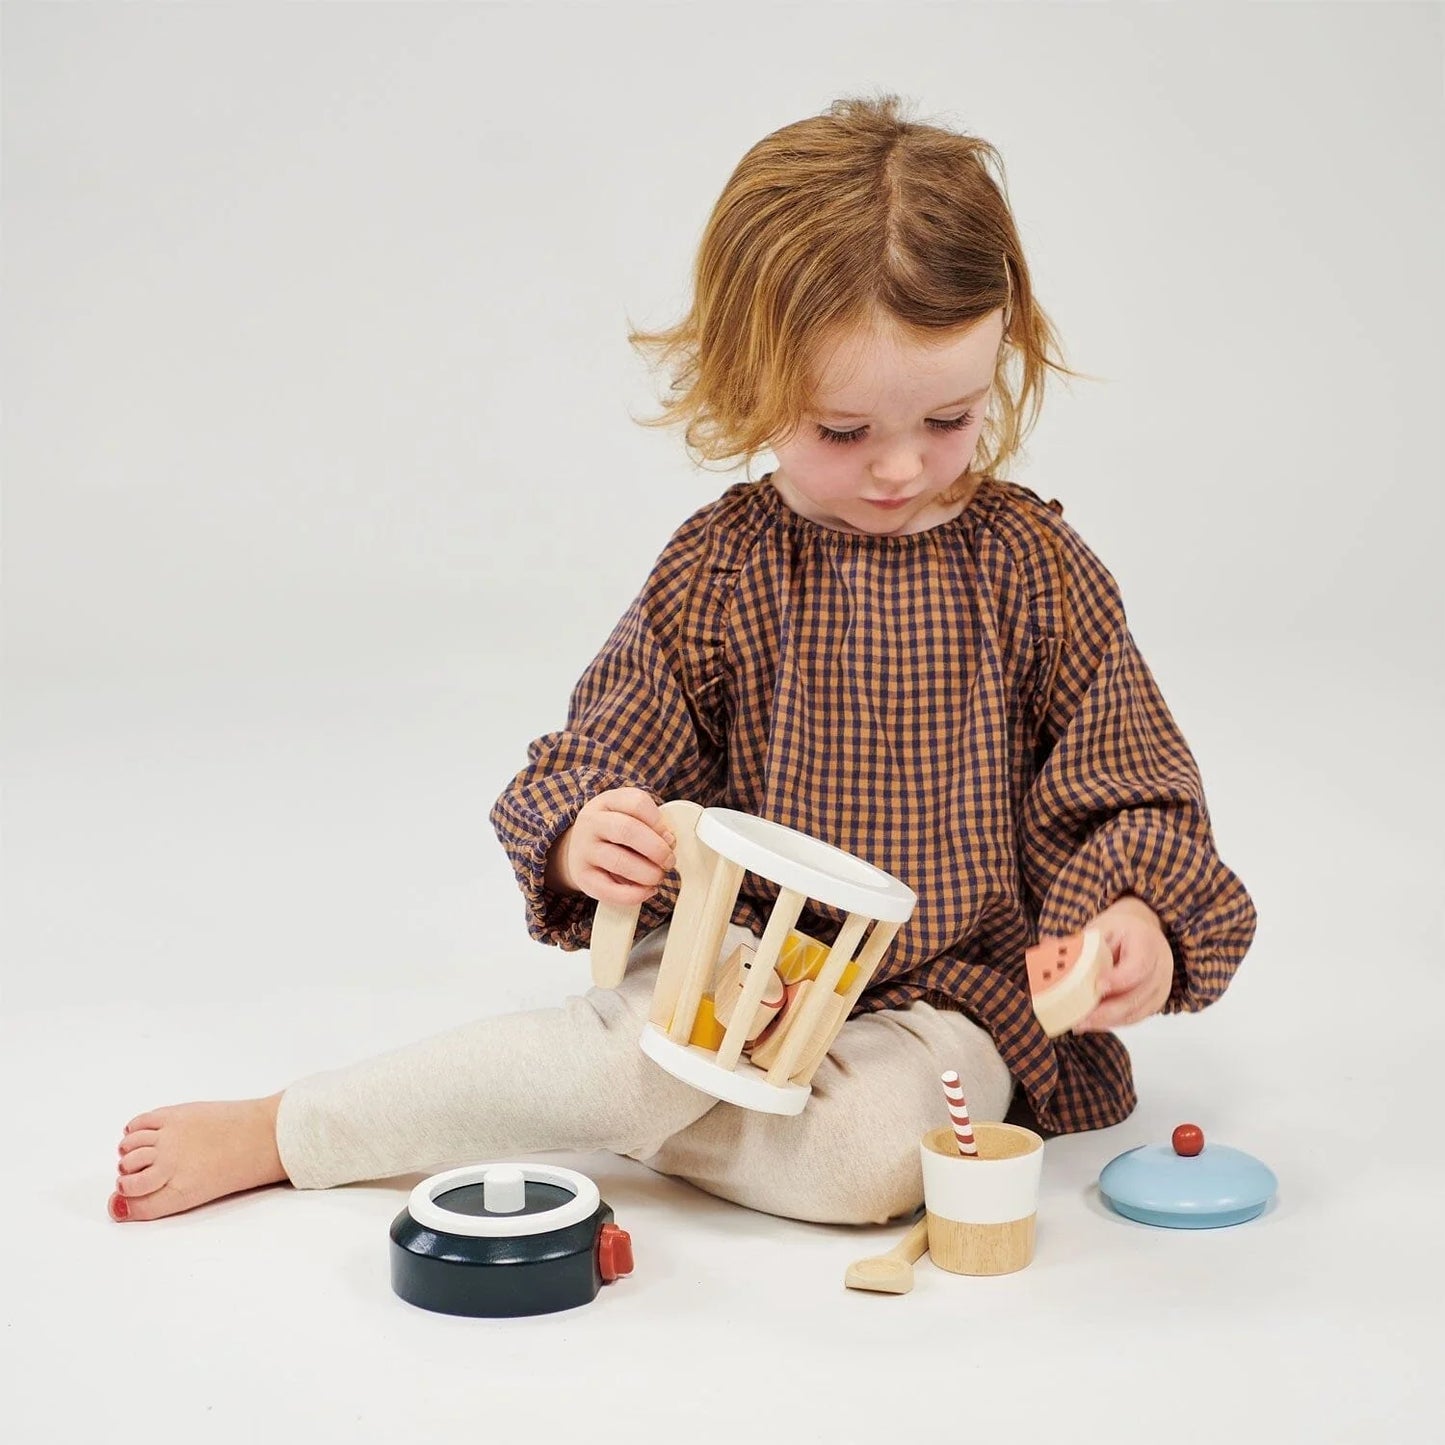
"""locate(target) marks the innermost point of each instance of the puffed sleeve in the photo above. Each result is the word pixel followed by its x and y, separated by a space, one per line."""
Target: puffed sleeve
pixel 1117 805
pixel 642 715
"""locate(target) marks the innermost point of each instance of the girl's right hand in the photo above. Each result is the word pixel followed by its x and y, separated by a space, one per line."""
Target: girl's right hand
pixel 617 851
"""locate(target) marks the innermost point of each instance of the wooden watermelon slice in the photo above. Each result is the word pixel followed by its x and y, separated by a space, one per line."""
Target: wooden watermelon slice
pixel 1066 978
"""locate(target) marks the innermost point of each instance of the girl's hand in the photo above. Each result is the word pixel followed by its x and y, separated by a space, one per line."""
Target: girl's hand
pixel 617 851
pixel 1143 971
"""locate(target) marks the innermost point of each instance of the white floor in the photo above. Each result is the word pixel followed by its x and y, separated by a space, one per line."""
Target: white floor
pixel 214 888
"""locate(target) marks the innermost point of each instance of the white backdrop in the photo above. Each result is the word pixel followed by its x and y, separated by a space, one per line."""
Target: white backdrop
pixel 320 488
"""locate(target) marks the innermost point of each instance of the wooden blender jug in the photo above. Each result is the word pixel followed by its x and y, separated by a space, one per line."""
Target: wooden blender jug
pixel 715 848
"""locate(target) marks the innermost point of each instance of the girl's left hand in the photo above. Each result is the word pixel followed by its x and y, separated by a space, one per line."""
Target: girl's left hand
pixel 1143 971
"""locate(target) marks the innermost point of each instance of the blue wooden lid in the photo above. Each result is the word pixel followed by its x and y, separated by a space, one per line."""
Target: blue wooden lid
pixel 1215 1187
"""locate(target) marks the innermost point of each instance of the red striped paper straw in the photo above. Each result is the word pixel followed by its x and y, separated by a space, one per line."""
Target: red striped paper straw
pixel 958 1113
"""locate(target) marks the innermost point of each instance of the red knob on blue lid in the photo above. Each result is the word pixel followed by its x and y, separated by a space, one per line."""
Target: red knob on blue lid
pixel 1188 1140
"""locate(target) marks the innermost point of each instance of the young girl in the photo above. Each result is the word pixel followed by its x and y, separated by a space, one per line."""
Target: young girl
pixel 879 643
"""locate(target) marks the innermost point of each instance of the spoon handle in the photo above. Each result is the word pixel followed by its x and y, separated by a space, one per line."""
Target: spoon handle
pixel 914 1243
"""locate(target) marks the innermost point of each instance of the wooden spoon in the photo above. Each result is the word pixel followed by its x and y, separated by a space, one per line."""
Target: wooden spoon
pixel 891 1273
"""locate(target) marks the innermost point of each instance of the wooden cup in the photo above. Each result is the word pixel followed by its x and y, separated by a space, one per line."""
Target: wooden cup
pixel 981 1210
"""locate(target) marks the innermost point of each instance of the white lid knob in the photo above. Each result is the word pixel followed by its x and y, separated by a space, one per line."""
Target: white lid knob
pixel 504 1190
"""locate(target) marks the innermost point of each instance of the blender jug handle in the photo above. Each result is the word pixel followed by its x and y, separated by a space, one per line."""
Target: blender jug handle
pixel 615 924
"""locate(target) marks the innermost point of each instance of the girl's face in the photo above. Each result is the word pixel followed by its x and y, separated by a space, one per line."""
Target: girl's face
pixel 893 426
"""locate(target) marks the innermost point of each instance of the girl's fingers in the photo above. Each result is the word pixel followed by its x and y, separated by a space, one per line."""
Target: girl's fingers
pixel 1138 983
pixel 627 866
pixel 626 831
pixel 634 803
pixel 1116 1009
pixel 1136 958
pixel 608 888
pixel 1128 973
pixel 1132 992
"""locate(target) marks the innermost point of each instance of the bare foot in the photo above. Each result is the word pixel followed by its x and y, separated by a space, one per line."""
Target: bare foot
pixel 176 1158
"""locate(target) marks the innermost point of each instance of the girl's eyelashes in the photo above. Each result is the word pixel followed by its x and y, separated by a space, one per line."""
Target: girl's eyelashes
pixel 842 438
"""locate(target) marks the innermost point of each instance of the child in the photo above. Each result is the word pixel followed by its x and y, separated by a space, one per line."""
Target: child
pixel 878 643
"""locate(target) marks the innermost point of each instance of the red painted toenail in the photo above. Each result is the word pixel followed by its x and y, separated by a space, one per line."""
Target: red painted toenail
pixel 119 1209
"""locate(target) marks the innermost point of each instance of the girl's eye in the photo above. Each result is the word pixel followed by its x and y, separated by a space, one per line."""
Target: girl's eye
pixel 842 438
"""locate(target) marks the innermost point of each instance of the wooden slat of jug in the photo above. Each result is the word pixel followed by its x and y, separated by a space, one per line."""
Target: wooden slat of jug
pixel 766 1054
pixel 780 922
pixel 728 996
pixel 706 944
pixel 695 862
pixel 824 1037
pixel 883 934
pixel 816 1006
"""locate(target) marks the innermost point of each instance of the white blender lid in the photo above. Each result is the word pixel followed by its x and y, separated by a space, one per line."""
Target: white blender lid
pixel 423 1208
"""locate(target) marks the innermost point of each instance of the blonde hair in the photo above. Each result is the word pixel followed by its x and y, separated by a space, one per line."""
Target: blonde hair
pixel 843 221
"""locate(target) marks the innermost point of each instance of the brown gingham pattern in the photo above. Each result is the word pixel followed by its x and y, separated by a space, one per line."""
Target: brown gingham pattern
pixel 964 707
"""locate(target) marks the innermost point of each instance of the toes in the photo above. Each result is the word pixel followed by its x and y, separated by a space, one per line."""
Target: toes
pixel 152 1119
pixel 153 1206
pixel 141 1157
pixel 147 1181
pixel 144 1206
pixel 140 1138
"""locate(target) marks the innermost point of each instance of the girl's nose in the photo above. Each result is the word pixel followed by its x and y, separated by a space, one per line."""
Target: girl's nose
pixel 898 469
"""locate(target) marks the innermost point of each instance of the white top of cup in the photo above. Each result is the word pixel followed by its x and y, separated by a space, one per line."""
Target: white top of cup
pixel 982 1190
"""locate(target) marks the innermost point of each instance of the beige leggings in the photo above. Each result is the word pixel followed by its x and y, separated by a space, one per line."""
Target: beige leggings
pixel 573 1078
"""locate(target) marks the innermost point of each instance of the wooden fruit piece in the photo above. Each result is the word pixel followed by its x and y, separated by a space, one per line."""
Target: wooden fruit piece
pixel 763 1053
pixel 808 1051
pixel 1066 978
pixel 707 1028
pixel 728 993
pixel 803 957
